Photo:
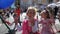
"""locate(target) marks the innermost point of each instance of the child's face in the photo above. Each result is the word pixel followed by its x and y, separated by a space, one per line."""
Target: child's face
pixel 43 15
pixel 31 13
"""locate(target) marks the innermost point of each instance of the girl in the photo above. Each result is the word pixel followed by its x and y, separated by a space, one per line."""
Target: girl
pixel 46 23
pixel 30 25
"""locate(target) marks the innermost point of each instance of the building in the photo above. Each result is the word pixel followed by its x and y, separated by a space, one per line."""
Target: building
pixel 47 1
pixel 26 3
pixel 33 2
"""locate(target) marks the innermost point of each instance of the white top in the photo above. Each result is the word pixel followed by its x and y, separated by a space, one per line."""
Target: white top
pixel 35 27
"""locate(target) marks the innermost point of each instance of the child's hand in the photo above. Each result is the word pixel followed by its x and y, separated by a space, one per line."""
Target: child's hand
pixel 10 24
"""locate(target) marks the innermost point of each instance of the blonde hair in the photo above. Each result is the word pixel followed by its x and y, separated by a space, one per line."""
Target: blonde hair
pixel 32 8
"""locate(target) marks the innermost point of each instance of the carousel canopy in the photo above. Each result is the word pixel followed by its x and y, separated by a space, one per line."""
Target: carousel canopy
pixel 52 5
pixel 58 4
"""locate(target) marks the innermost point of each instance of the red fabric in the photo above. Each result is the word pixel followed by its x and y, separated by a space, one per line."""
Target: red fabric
pixel 18 11
pixel 26 28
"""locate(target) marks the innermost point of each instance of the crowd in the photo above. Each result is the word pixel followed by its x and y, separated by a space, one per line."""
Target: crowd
pixel 30 23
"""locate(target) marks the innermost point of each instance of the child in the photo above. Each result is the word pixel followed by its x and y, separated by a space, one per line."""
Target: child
pixel 46 22
pixel 17 14
pixel 30 25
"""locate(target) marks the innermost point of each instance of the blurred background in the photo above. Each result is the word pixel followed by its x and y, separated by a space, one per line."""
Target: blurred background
pixel 8 13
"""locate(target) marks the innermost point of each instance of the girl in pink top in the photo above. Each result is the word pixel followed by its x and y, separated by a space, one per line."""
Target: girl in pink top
pixel 30 25
pixel 46 22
